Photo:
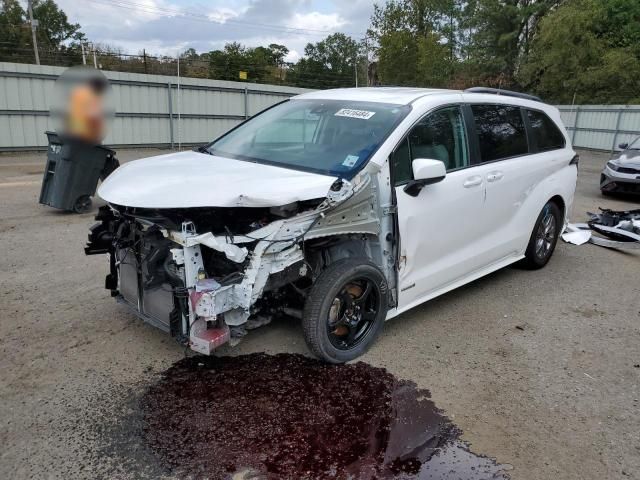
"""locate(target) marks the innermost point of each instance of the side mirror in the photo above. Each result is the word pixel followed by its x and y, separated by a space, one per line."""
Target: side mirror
pixel 425 172
pixel 623 146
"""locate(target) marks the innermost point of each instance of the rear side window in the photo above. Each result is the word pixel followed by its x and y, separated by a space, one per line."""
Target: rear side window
pixel 546 134
pixel 500 130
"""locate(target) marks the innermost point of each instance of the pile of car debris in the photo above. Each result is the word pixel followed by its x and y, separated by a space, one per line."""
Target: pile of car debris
pixel 614 229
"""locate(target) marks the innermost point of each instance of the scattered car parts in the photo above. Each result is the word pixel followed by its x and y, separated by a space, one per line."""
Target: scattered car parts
pixel 616 229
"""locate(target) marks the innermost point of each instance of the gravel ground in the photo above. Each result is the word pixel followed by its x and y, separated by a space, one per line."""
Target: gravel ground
pixel 539 369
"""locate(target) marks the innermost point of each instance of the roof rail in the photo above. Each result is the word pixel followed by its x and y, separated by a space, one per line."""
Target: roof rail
pixel 507 93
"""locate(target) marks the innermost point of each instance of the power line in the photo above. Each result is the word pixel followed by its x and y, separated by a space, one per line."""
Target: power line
pixel 169 12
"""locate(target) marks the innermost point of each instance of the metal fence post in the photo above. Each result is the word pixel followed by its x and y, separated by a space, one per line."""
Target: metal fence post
pixel 575 127
pixel 615 134
pixel 170 113
pixel 246 103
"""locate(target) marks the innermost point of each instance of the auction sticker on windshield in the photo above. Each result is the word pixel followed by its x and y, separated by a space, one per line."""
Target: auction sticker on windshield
pixel 348 112
pixel 350 161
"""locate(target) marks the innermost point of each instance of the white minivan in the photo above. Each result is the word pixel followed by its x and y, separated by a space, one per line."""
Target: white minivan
pixel 342 208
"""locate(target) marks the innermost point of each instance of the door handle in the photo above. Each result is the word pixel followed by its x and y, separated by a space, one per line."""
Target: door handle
pixel 494 176
pixel 472 181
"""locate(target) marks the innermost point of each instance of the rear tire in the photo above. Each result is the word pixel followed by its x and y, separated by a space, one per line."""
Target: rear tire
pixel 345 310
pixel 543 238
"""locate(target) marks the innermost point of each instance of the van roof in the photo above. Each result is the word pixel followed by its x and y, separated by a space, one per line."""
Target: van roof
pixel 407 95
pixel 395 95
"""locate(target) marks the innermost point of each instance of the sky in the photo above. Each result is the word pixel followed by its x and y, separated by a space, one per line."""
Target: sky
pixel 170 26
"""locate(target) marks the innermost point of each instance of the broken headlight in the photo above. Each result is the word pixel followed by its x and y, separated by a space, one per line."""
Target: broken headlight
pixel 613 166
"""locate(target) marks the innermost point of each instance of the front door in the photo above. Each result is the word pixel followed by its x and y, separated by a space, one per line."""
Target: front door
pixel 439 226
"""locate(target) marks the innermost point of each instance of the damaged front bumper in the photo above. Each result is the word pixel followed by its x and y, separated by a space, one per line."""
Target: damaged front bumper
pixel 627 181
pixel 160 273
pixel 164 272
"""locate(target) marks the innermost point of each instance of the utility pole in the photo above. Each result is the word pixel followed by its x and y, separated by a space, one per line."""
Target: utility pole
pixel 180 106
pixel 95 62
pixel 355 68
pixel 366 54
pixel 84 57
pixel 144 59
pixel 34 25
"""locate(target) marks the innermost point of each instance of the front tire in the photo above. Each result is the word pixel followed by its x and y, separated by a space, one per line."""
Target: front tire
pixel 345 310
pixel 543 238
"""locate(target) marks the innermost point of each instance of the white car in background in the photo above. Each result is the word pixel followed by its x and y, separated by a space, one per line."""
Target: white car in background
pixel 621 174
pixel 343 208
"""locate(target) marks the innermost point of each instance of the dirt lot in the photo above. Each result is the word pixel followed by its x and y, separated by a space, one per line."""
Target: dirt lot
pixel 539 369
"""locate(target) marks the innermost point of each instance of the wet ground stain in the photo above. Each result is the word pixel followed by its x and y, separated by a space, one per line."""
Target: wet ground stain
pixel 291 417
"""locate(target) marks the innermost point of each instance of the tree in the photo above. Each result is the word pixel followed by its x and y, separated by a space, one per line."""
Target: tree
pixel 337 53
pixel 502 32
pixel 328 63
pixel 57 38
pixel 15 43
pixel 54 28
pixel 279 52
pixel 416 41
pixel 589 48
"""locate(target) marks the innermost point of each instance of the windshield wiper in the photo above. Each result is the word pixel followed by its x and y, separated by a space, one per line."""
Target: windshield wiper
pixel 202 149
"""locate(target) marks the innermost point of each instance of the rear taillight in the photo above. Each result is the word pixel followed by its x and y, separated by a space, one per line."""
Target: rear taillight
pixel 575 160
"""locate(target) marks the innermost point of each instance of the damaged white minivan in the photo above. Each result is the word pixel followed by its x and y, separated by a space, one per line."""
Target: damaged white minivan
pixel 342 208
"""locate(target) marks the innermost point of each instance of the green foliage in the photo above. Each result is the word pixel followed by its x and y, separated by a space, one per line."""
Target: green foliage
pixel 262 64
pixel 14 32
pixel 555 48
pixel 502 31
pixel 57 38
pixel 416 41
pixel 54 28
pixel 398 58
pixel 588 48
pixel 329 63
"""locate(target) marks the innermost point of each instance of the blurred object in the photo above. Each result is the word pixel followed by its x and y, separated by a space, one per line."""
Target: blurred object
pixel 78 104
pixel 75 158
pixel 72 172
pixel 85 117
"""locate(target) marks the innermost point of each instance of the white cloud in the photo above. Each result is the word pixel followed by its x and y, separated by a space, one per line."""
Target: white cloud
pixel 293 56
pixel 167 26
pixel 317 21
pixel 221 15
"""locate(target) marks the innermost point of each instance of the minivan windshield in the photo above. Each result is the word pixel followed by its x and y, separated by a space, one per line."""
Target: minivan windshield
pixel 332 137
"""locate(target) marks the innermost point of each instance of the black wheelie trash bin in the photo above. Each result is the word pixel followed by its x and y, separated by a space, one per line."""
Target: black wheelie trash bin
pixel 72 172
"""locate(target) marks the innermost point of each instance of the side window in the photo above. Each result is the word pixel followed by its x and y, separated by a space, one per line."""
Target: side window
pixel 441 136
pixel 401 163
pixel 546 134
pixel 501 131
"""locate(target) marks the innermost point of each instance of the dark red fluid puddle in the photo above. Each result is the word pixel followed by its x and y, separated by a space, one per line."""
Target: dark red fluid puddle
pixel 292 417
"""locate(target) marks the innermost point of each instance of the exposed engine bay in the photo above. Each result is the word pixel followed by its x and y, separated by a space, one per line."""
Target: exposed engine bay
pixel 207 275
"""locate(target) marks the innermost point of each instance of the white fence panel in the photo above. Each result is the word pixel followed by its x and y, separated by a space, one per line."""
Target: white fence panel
pixel 601 127
pixel 148 106
pixel 150 110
